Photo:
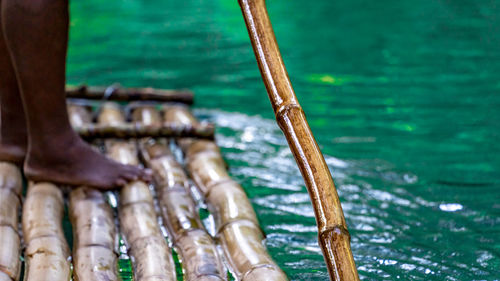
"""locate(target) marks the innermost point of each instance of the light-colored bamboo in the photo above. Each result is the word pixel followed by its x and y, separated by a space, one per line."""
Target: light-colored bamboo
pixel 10 192
pixel 9 254
pixel 333 235
pixel 47 253
pixel 237 225
pixel 94 231
pixel 79 115
pixel 129 94
pixel 146 115
pixel 199 257
pixel 200 260
pixel 151 256
pixel 196 247
pixel 10 178
pixel 4 276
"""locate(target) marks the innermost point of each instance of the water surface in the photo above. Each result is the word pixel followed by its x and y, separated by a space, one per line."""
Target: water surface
pixel 403 97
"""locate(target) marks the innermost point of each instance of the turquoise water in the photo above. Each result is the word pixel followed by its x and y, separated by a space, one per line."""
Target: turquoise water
pixel 403 97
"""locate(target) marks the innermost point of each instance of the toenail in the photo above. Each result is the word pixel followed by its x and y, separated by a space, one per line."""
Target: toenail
pixel 121 182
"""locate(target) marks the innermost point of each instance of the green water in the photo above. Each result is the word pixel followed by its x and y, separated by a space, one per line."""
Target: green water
pixel 403 97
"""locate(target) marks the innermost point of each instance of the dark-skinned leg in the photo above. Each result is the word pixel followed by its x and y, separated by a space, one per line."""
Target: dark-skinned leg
pixel 36 32
pixel 13 136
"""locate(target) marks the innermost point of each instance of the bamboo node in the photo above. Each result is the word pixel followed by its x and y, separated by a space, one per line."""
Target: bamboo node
pixel 5 270
pixel 242 221
pixel 338 230
pixel 284 109
pixel 211 185
pixel 256 267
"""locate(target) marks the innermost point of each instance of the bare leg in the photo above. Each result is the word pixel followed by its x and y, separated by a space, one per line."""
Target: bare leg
pixel 36 32
pixel 13 136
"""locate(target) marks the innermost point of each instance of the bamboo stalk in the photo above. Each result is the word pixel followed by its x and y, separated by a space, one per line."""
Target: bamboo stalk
pixel 125 131
pixel 79 115
pixel 47 252
pixel 93 224
pixel 129 94
pixel 9 256
pixel 146 115
pixel 197 249
pixel 10 192
pixel 4 276
pixel 236 222
pixel 333 234
pixel 147 246
pixel 94 233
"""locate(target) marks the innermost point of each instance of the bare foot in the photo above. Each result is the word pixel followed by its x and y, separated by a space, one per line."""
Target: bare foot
pixel 13 153
pixel 71 161
pixel 13 133
pixel 13 145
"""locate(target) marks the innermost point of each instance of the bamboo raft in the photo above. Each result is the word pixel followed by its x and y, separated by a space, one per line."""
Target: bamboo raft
pixel 142 211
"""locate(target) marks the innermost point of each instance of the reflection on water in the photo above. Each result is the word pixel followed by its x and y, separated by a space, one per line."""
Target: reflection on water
pixel 386 220
pixel 402 96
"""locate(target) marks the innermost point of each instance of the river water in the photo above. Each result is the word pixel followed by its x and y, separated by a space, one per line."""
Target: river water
pixel 403 97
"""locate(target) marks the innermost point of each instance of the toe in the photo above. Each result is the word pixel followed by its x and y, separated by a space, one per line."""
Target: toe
pixel 130 169
pixel 130 176
pixel 120 182
pixel 146 175
pixel 103 185
pixel 131 173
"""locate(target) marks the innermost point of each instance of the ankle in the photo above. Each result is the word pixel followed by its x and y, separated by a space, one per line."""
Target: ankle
pixel 51 146
pixel 13 135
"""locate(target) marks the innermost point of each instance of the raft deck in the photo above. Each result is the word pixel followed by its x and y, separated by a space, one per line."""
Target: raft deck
pixel 148 226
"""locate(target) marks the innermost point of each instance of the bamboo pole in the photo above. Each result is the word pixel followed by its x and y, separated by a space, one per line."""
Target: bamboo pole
pixel 129 94
pixel 94 230
pixel 333 234
pixel 151 258
pixel 47 252
pixel 237 225
pixel 10 194
pixel 197 249
pixel 124 130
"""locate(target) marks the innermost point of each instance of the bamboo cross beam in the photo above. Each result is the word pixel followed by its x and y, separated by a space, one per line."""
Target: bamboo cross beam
pixel 137 130
pixel 129 94
pixel 334 237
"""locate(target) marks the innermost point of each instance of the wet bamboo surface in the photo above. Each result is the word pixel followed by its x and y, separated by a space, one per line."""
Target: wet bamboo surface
pixel 47 253
pixel 334 237
pixel 151 256
pixel 179 211
pixel 236 223
pixel 159 130
pixel 129 94
pixel 94 230
pixel 11 185
pixel 237 245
